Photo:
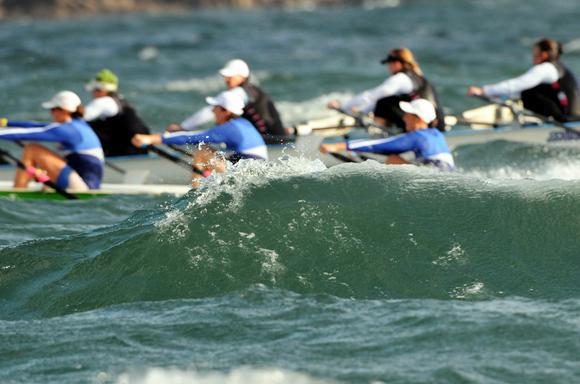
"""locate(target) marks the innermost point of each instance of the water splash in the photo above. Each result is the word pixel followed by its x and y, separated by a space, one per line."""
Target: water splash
pixel 237 376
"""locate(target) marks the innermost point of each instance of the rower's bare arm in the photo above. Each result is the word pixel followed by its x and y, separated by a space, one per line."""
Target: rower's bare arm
pixel 336 147
pixel 140 140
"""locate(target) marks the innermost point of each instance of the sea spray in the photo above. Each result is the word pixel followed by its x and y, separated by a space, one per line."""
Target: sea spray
pixel 358 230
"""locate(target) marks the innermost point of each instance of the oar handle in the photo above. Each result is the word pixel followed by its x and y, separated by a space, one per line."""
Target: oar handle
pixel 38 174
pixel 343 158
pixel 177 148
pixel 359 119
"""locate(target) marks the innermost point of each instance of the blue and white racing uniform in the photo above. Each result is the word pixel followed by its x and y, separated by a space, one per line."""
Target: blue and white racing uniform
pixel 81 146
pixel 428 144
pixel 239 136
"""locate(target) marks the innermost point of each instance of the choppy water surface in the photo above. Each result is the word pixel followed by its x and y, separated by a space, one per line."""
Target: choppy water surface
pixel 289 272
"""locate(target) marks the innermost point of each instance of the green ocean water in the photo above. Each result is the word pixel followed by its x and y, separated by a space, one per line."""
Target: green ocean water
pixel 289 272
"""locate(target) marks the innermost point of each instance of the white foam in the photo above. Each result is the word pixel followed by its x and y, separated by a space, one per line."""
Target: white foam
pixel 207 85
pixel 378 4
pixel 250 173
pixel 237 376
pixel 270 263
pixel 467 291
pixel 455 255
pixel 148 53
pixel 550 170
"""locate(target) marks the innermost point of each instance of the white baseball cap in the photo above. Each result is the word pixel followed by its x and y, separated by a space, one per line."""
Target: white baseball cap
pixel 236 67
pixel 420 107
pixel 67 100
pixel 232 101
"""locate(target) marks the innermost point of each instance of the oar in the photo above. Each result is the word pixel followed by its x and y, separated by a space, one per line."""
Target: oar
pixel 343 158
pixel 177 160
pixel 543 118
pixel 115 167
pixel 38 175
pixel 359 119
pixel 179 149
pixel 363 157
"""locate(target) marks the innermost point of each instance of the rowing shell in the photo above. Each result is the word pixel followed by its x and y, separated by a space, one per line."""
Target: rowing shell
pixel 151 169
pixel 543 134
pixel 536 134
pixel 36 191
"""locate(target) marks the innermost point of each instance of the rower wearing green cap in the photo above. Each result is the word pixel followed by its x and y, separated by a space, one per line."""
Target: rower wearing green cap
pixel 113 119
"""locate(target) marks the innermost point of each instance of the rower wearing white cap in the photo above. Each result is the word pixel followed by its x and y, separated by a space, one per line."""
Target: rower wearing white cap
pixel 81 167
pixel 428 144
pixel 259 108
pixel 241 138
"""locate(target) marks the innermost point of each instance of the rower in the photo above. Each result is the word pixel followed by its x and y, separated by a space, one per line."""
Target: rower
pixel 241 138
pixel 81 168
pixel 113 118
pixel 406 83
pixel 428 144
pixel 259 108
pixel 548 88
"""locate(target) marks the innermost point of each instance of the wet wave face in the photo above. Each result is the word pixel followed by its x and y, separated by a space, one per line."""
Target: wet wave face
pixel 363 231
pixel 509 160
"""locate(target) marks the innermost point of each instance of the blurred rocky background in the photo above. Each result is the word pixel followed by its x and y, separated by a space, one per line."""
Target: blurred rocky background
pixel 67 8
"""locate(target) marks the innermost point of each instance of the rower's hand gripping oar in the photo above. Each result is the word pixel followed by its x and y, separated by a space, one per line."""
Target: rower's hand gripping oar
pixel 38 175
pixel 526 112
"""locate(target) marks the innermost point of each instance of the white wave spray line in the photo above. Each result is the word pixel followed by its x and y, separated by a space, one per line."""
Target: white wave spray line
pixel 550 170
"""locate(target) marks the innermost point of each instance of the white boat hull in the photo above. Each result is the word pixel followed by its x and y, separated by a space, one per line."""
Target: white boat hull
pixel 542 134
pixel 546 134
pixel 152 169
pixel 37 191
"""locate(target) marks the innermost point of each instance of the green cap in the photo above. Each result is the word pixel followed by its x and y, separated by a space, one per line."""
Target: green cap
pixel 105 79
pixel 107 76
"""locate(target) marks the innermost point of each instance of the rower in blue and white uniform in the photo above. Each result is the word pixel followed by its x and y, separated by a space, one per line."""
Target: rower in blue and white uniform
pixel 240 137
pixel 428 144
pixel 81 168
pixel 548 88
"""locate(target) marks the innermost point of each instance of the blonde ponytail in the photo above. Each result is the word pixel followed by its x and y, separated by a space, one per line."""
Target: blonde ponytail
pixel 406 57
